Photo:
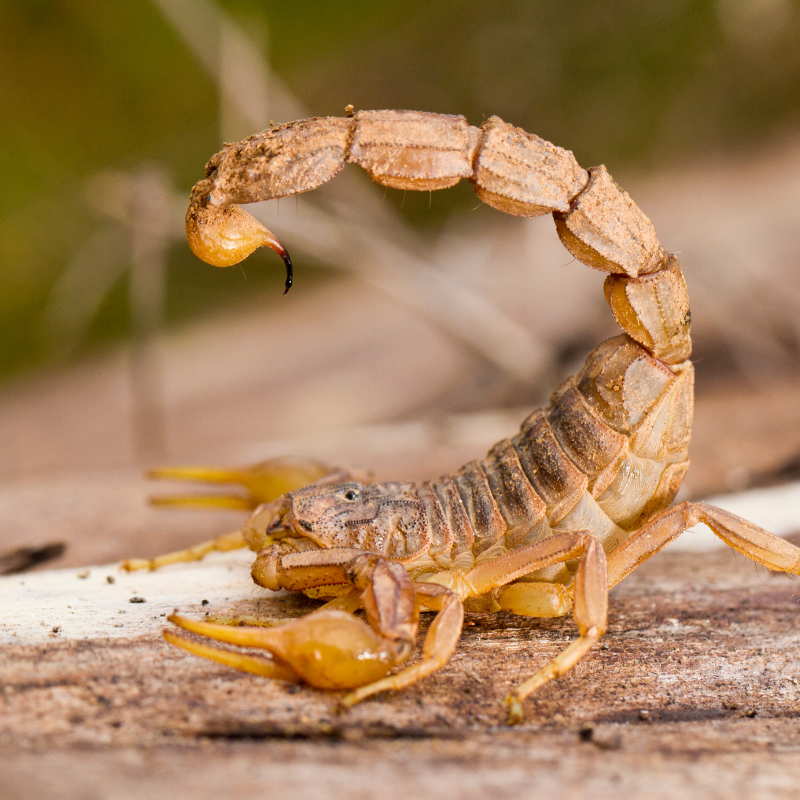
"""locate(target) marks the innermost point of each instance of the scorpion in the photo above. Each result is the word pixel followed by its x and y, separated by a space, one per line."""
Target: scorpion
pixel 550 519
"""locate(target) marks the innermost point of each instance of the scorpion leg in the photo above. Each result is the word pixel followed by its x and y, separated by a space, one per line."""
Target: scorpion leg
pixel 749 539
pixel 222 544
pixel 252 535
pixel 439 644
pixel 590 592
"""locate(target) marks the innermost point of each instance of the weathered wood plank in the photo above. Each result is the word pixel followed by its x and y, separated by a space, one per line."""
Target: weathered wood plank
pixel 695 692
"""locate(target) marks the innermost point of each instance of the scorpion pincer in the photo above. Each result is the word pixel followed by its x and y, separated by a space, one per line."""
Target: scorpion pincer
pixel 550 519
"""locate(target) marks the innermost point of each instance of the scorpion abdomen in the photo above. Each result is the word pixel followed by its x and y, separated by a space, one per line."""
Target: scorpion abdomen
pixel 607 453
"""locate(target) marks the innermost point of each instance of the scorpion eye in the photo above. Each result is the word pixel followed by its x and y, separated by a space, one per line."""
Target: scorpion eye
pixel 350 494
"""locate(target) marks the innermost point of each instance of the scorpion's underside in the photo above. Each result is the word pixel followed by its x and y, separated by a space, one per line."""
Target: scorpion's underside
pixel 549 520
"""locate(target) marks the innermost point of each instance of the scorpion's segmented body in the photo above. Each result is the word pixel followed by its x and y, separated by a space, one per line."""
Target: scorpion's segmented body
pixel 569 468
pixel 550 518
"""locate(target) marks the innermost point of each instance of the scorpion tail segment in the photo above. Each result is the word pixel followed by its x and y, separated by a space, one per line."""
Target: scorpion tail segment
pixel 257 665
pixel 328 649
pixel 264 482
pixel 225 235
pixel 606 230
pixel 654 310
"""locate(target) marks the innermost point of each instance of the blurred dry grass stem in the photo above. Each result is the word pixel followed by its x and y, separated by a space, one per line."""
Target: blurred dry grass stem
pixel 498 312
pixel 354 231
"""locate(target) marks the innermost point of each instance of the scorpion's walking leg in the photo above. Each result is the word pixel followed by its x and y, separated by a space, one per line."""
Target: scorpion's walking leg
pixel 252 535
pixel 222 544
pixel 748 538
pixel 332 649
pixel 590 592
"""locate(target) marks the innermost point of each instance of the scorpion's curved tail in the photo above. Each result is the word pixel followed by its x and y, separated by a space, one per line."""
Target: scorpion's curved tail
pixel 514 171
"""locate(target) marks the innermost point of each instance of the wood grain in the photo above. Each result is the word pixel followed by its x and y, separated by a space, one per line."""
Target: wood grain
pixel 693 693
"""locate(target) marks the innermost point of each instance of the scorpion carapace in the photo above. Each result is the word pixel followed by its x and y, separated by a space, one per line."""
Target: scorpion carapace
pixel 550 519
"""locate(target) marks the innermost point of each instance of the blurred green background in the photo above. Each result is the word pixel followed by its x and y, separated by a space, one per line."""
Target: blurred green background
pixel 88 87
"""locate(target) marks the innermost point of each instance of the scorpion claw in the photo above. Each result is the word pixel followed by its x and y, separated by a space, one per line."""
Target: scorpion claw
pixel 263 482
pixel 256 665
pixel 327 649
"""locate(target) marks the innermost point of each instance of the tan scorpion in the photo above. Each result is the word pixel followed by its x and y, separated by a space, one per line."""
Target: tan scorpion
pixel 549 520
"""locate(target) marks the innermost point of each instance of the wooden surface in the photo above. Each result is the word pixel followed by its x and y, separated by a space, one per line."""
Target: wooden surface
pixel 694 692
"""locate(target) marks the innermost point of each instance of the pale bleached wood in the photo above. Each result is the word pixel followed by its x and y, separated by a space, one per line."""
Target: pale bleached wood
pixel 697 644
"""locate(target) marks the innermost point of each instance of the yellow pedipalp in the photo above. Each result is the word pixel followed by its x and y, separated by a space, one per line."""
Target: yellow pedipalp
pixel 264 482
pixel 256 665
pixel 327 649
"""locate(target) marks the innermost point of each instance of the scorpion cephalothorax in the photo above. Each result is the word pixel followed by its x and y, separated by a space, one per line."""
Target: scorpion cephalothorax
pixel 551 518
pixel 384 518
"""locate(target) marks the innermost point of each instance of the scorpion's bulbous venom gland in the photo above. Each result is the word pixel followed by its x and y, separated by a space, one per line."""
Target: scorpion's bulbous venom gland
pixel 224 236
